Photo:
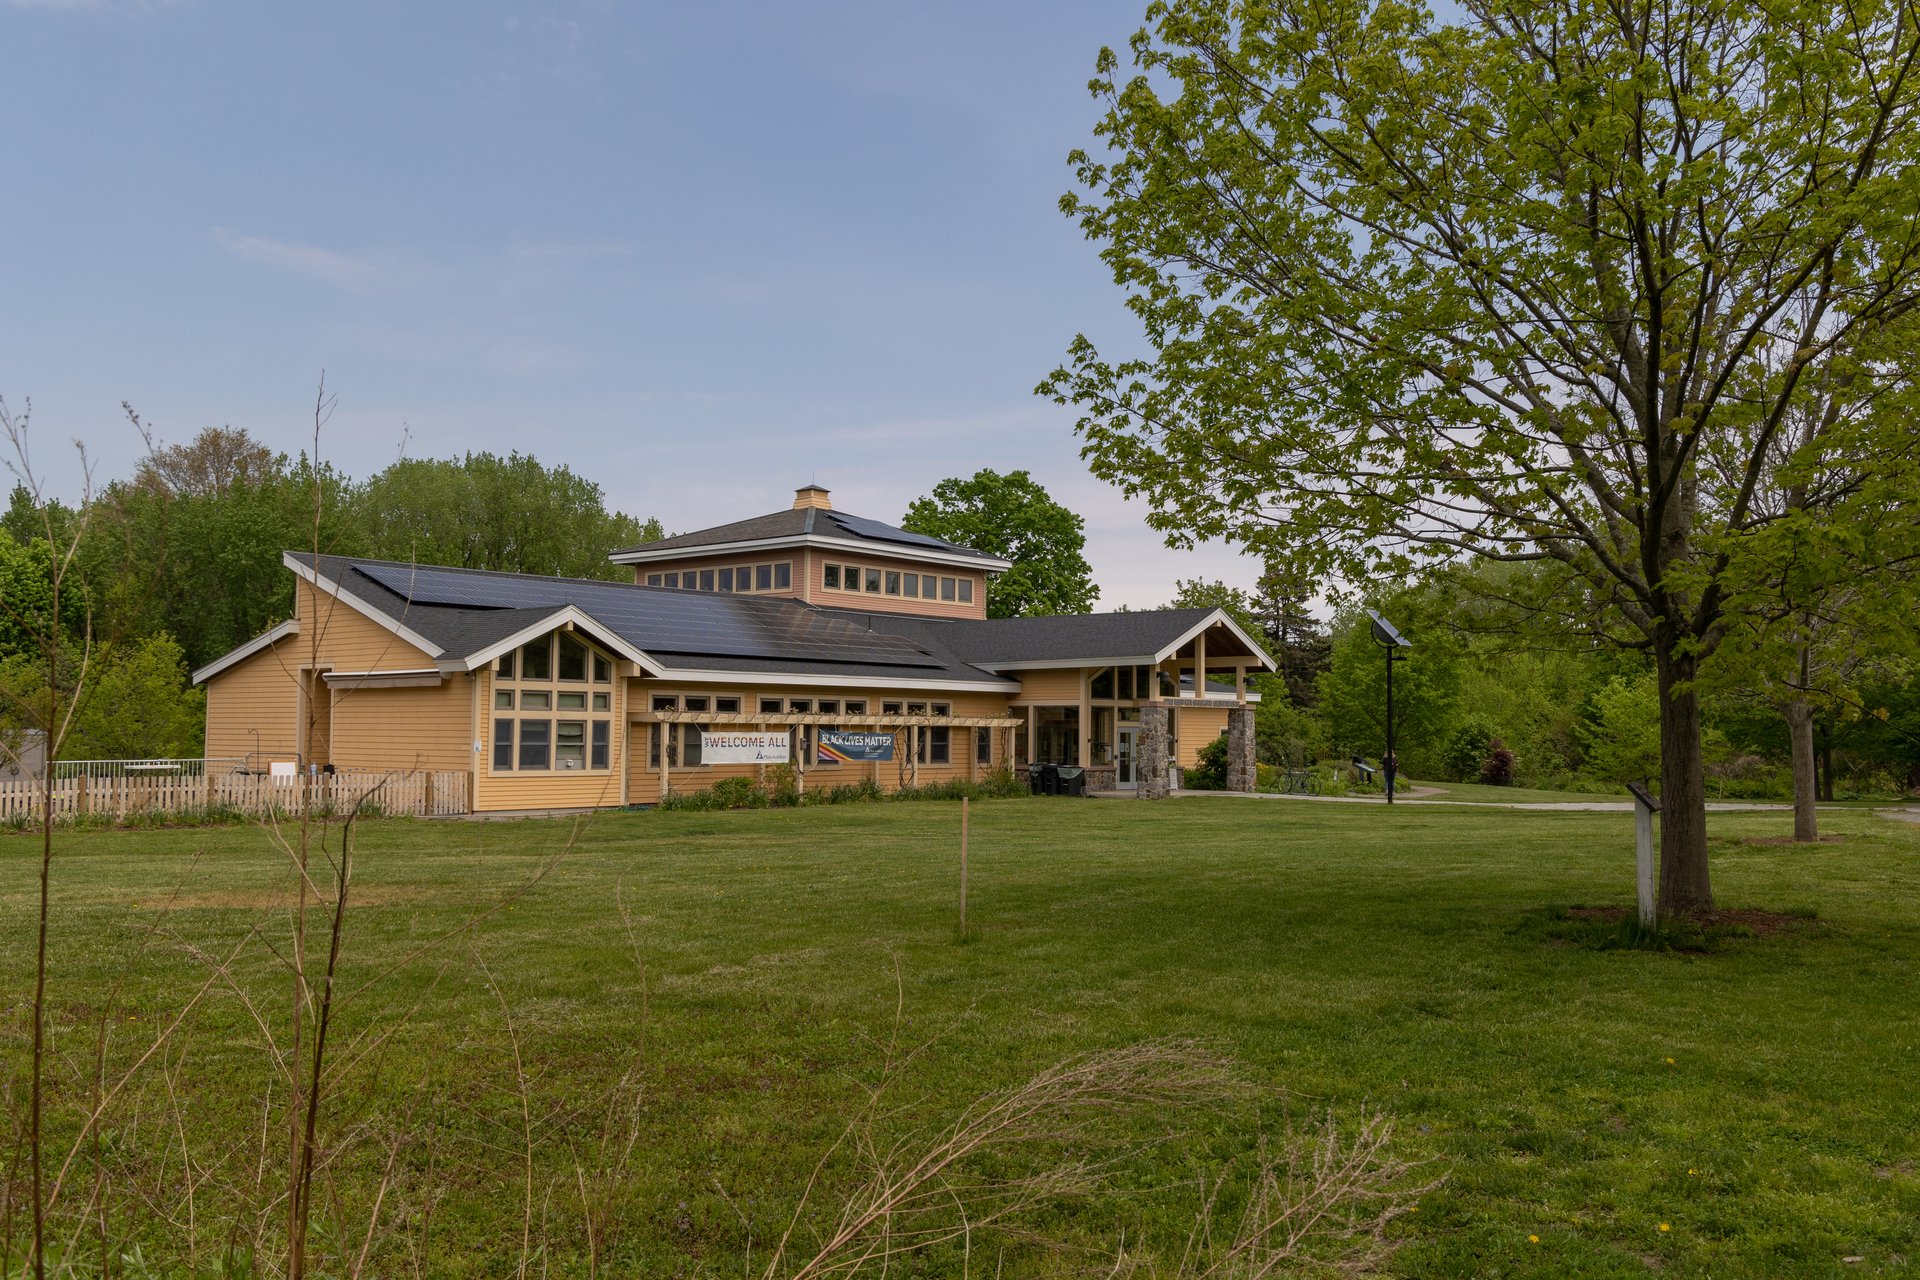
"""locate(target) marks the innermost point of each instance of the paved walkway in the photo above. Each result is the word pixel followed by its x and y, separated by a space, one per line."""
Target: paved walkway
pixel 1423 796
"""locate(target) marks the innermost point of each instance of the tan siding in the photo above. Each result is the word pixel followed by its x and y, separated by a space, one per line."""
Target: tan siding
pixel 347 639
pixel 1198 726
pixel 422 728
pixel 1056 687
pixel 644 780
pixel 261 694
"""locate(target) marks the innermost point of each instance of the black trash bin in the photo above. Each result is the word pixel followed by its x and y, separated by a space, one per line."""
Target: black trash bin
pixel 1036 780
pixel 1073 780
pixel 1049 779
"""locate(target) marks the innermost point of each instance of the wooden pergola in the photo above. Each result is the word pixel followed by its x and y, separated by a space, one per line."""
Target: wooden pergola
pixel 914 725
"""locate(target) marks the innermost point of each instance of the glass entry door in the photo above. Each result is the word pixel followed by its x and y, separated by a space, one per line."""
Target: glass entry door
pixel 1126 751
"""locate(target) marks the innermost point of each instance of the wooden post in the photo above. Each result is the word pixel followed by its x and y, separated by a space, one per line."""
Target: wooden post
pixel 666 749
pixel 1644 807
pixel 1240 683
pixel 83 793
pixel 1200 665
pixel 799 760
pixel 426 800
pixel 963 866
pixel 1084 747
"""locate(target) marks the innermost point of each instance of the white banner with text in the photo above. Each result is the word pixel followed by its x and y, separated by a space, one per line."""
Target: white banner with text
pixel 745 748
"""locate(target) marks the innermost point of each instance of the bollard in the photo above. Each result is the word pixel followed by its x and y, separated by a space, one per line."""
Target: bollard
pixel 1644 807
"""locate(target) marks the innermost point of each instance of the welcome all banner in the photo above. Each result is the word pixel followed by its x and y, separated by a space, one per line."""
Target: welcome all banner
pixel 839 747
pixel 745 748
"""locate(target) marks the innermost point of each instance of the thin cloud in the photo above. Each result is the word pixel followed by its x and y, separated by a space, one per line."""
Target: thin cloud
pixel 303 259
pixel 574 250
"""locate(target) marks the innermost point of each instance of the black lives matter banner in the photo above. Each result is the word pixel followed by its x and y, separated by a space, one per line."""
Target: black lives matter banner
pixel 839 747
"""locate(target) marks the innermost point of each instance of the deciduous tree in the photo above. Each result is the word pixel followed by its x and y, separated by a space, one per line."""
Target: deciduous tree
pixel 1540 283
pixel 484 511
pixel 1013 517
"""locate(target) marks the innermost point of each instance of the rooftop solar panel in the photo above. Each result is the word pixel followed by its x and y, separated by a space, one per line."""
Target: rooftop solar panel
pixel 660 620
pixel 861 527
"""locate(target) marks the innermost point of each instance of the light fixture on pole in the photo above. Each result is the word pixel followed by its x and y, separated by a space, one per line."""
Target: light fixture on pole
pixel 1392 642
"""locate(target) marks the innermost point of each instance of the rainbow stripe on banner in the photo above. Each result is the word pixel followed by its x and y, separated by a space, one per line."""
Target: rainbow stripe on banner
pixel 840 747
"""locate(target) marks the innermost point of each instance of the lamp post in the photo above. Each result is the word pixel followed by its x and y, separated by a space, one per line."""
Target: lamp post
pixel 1391 642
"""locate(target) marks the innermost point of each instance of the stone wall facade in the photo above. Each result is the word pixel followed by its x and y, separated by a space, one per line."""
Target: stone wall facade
pixel 1242 771
pixel 1155 775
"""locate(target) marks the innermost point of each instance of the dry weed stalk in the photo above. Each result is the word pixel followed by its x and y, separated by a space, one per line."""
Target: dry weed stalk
pixel 926 1189
pixel 53 718
pixel 1318 1205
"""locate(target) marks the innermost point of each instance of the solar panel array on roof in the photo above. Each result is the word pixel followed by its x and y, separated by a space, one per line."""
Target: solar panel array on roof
pixel 663 621
pixel 861 527
pixel 424 584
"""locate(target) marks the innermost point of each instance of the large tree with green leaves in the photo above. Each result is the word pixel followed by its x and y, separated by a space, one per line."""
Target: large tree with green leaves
pixel 1540 283
pixel 1013 517
pixel 484 511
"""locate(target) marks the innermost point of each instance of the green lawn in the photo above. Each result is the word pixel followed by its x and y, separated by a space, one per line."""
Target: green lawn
pixel 1757 1099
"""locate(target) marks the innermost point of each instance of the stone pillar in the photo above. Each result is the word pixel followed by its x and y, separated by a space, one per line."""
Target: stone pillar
pixel 1151 768
pixel 1242 773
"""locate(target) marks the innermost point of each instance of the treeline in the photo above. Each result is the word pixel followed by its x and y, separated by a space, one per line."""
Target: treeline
pixel 180 562
pixel 1491 693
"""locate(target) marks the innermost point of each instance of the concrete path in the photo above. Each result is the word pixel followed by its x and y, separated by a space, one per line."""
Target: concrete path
pixel 1422 796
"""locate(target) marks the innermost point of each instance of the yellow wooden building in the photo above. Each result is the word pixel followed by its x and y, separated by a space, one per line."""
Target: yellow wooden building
pixel 842 647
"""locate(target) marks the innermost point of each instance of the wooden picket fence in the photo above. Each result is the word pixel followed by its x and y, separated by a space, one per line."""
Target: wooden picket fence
pixel 413 793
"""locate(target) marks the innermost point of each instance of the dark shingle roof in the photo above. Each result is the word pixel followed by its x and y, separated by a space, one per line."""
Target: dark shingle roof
pixel 816 522
pixel 688 630
pixel 464 612
pixel 1066 636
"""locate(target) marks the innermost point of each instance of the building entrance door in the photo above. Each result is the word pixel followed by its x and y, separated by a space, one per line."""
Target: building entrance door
pixel 1125 753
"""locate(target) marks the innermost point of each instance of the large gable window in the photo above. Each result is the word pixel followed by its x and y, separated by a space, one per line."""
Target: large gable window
pixel 533 741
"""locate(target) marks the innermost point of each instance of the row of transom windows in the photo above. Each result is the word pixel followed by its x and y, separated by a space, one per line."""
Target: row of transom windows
pixel 727 705
pixel 775 576
pixel 893 582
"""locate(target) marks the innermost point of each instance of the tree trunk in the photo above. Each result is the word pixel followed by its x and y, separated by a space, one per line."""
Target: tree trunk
pixel 1684 884
pixel 1826 767
pixel 1806 821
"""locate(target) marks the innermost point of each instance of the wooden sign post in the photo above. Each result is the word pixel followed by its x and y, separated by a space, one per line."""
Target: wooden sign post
pixel 1644 807
pixel 963 867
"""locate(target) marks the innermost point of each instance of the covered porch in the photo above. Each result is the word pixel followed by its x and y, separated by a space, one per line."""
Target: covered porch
pixel 1132 725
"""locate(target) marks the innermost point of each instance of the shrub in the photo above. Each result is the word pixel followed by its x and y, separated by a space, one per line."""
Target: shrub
pixel 1497 769
pixel 1210 774
pixel 781 789
pixel 782 785
pixel 1466 752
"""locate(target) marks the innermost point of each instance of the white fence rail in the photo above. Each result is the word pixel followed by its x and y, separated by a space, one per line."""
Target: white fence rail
pixel 419 794
pixel 97 770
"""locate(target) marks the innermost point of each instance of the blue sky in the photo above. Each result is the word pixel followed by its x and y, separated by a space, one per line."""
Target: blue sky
pixel 702 253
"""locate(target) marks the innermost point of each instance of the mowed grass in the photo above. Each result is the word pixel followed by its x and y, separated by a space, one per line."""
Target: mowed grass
pixel 1758 1100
